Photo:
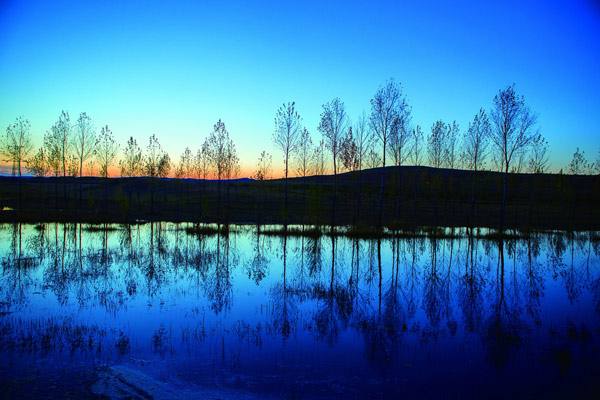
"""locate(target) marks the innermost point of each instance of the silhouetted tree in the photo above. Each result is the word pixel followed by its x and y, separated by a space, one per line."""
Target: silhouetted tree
pixel 186 164
pixel 286 137
pixel 435 144
pixel 451 144
pixel 83 140
pixel 349 152
pixel 319 158
pixel 153 158
pixel 332 126
pixel 38 164
pixel 387 106
pixel 131 164
pixel 263 167
pixel 164 166
pixel 364 139
pixel 417 145
pixel 304 154
pixel 106 150
pixel 16 145
pixel 597 163
pixel 400 136
pixel 202 161
pixel 58 143
pixel 538 158
pixel 512 125
pixel 287 133
pixel 476 141
pixel 222 152
pixel 579 164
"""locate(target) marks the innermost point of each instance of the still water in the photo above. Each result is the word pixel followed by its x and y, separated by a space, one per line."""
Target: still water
pixel 246 312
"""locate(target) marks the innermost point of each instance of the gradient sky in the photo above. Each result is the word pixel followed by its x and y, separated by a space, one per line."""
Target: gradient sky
pixel 174 68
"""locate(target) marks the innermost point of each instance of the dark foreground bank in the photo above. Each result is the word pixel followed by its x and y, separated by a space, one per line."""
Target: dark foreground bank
pixel 392 197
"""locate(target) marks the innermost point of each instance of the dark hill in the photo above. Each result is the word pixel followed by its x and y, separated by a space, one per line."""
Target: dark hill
pixel 392 196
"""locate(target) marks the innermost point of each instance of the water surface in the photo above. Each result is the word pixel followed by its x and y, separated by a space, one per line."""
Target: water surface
pixel 244 313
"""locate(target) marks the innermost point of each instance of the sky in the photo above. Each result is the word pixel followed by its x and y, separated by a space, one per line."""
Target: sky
pixel 173 68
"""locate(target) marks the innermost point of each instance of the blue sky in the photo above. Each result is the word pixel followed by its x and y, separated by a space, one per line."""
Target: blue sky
pixel 174 68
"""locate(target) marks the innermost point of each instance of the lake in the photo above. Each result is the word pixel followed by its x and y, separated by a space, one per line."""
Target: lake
pixel 301 312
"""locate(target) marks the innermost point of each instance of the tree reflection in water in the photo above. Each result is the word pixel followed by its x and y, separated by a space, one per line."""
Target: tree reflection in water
pixel 303 304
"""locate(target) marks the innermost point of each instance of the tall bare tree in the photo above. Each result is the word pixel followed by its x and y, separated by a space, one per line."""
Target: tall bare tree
pixel 16 144
pixel 287 134
pixel 61 134
pixel 83 140
pixel 513 124
pixel 417 146
pixel 436 144
pixel 332 125
pixel 538 157
pixel 106 149
pixel 222 152
pixel 349 152
pixel 319 158
pixel 364 139
pixel 304 153
pixel 153 157
pixel 400 136
pixel 451 144
pixel 476 141
pixel 131 164
pixel 185 167
pixel 388 106
pixel 202 161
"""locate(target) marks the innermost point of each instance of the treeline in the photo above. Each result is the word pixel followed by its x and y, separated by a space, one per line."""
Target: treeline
pixel 506 138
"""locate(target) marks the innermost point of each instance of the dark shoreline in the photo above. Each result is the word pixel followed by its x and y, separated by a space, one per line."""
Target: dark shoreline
pixel 392 197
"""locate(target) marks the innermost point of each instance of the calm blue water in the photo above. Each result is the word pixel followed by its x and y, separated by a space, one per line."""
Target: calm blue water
pixel 251 315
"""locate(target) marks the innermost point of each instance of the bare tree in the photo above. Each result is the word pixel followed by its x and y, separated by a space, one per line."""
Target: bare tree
pixel 332 126
pixel 538 158
pixel 436 146
pixel 106 149
pixel 579 164
pixel 131 164
pixel 399 140
pixel 287 132
pixel 319 158
pixel 164 165
pixel 451 144
pixel 60 135
pixel 38 164
pixel 202 161
pixel 597 163
pixel 153 158
pixel 83 140
pixel 476 141
pixel 222 152
pixel 373 159
pixel 388 106
pixel 263 167
pixel 349 152
pixel 16 144
pixel 186 164
pixel 513 123
pixel 304 153
pixel 417 145
pixel 364 139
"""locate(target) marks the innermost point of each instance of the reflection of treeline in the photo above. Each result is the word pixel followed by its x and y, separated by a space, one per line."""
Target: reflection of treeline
pixel 412 196
pixel 490 286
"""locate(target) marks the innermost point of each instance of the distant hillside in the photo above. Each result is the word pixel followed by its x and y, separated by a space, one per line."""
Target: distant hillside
pixel 391 196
